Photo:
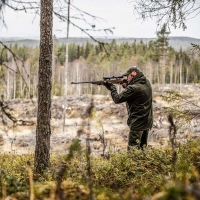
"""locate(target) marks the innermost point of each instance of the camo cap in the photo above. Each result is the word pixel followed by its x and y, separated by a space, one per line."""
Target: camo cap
pixel 131 69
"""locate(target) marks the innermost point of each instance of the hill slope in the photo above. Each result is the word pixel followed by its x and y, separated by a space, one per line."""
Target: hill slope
pixel 175 42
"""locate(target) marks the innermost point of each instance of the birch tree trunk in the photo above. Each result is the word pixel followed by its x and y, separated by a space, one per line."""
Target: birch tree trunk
pixel 27 76
pixel 175 75
pixel 21 86
pixel 187 73
pixel 66 58
pixel 180 67
pixel 158 76
pixel 164 75
pixel 43 129
pixel 150 72
pixel 8 77
pixel 171 74
pixel 78 86
pixel 66 67
pixel 29 79
pixel 14 79
pixel 8 85
pixel 34 86
pixel 53 68
pixel 163 63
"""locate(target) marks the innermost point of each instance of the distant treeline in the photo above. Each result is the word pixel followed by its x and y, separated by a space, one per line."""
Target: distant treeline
pixel 175 42
pixel 19 75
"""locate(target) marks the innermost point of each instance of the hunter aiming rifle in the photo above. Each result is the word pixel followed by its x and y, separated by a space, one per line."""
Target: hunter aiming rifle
pixel 112 79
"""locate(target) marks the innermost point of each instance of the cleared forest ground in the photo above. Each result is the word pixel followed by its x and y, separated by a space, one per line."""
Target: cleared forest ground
pixel 108 120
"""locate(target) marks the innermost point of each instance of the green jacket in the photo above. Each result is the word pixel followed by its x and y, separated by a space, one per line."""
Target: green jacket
pixel 138 98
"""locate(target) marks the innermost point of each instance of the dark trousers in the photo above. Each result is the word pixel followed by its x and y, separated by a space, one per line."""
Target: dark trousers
pixel 137 138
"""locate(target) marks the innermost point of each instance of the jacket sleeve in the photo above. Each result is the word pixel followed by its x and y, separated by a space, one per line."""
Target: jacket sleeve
pixel 125 95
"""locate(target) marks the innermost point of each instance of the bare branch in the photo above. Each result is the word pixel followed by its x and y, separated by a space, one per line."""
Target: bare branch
pixel 83 12
pixel 15 59
pixel 172 12
pixel 13 119
pixel 102 44
pixel 195 47
pixel 8 68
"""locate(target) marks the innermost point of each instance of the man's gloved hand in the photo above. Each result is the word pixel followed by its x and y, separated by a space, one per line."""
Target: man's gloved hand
pixel 108 85
pixel 125 83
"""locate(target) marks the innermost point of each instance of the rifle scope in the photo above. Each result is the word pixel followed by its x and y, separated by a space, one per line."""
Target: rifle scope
pixel 112 77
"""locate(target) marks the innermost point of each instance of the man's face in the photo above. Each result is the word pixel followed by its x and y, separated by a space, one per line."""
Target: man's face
pixel 131 76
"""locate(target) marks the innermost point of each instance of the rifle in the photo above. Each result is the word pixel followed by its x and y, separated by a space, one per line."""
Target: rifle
pixel 112 79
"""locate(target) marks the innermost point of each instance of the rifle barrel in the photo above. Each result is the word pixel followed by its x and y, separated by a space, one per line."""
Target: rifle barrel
pixel 80 82
pixel 115 81
pixel 93 82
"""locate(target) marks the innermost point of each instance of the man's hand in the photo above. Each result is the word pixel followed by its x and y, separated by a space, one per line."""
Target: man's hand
pixel 125 83
pixel 108 85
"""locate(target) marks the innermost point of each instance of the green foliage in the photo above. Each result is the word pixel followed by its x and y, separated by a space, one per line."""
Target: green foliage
pixel 196 69
pixel 61 54
pixel 195 47
pixel 134 175
pixel 179 107
pixel 112 59
pixel 3 55
pixel 12 173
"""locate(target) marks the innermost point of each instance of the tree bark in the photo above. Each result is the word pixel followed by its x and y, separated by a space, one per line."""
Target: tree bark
pixel 180 68
pixel 171 74
pixel 163 75
pixel 8 85
pixel 53 67
pixel 14 82
pixel 66 67
pixel 43 129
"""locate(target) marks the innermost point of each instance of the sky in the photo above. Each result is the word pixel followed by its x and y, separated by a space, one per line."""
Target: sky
pixel 112 13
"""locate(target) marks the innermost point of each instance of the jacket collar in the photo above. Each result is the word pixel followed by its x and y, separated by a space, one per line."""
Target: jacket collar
pixel 139 78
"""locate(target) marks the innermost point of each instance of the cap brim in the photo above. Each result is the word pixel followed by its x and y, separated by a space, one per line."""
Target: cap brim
pixel 125 74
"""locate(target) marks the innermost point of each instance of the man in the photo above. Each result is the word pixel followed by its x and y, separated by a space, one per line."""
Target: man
pixel 138 97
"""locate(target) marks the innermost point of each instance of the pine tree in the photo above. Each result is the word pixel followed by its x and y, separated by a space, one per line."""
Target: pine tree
pixel 43 129
pixel 162 46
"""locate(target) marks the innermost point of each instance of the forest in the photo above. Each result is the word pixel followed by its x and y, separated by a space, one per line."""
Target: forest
pixel 36 84
pixel 157 173
pixel 90 62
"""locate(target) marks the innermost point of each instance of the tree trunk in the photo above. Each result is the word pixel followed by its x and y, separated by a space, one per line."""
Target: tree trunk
pixel 175 74
pixel 8 84
pixel 163 66
pixel 171 74
pixel 8 78
pixel 163 77
pixel 78 87
pixel 13 67
pixel 53 68
pixel 43 129
pixel 158 76
pixel 29 79
pixel 181 65
pixel 66 58
pixel 187 74
pixel 21 87
pixel 66 67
